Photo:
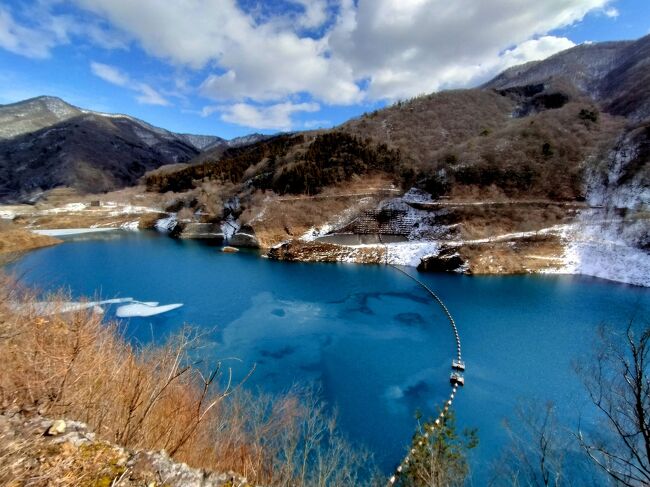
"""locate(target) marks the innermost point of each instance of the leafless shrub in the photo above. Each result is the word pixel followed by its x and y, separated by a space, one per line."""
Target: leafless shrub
pixel 74 365
pixel 618 383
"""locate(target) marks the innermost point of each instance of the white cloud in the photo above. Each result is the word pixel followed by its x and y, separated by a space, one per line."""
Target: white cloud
pixel 533 50
pixel 611 12
pixel 26 41
pixel 314 13
pixel 145 94
pixel 261 62
pixel 48 30
pixel 332 51
pixel 273 117
pixel 109 74
pixel 401 47
pixel 407 47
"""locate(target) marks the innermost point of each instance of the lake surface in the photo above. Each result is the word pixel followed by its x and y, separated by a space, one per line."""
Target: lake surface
pixel 368 335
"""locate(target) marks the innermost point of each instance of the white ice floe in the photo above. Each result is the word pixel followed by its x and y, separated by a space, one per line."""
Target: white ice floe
pixel 132 309
pixel 140 310
pixel 61 232
pixel 46 308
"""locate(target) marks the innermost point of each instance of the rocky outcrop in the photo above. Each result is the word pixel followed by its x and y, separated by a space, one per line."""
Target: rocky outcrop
pixel 195 230
pixel 296 250
pixel 38 451
pixel 244 237
pixel 448 260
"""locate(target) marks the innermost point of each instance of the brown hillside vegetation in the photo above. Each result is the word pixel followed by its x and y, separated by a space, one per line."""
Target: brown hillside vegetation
pixel 77 367
pixel 465 143
pixel 422 126
pixel 533 131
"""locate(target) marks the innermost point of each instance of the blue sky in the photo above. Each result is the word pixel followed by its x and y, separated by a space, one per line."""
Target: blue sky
pixel 228 67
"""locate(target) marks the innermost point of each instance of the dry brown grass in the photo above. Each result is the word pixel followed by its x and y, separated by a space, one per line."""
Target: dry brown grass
pixel 423 125
pixel 14 241
pixel 494 220
pixel 73 365
pixel 517 256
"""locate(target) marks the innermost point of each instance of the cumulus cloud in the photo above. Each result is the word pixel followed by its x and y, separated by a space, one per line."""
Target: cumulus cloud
pixel 26 41
pixel 260 62
pixel 533 50
pixel 397 48
pixel 314 13
pixel 145 94
pixel 407 47
pixel 273 117
pixel 45 30
pixel 330 51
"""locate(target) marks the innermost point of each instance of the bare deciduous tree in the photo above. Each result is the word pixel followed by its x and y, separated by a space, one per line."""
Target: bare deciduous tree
pixel 618 384
pixel 536 452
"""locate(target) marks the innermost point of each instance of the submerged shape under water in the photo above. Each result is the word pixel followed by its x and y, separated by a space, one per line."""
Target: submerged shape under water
pixel 370 336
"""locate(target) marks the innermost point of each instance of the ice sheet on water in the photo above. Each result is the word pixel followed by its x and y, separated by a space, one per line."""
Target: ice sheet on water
pixel 139 310
pixel 62 232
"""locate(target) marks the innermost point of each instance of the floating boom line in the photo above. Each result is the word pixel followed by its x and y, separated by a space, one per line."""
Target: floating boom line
pixel 458 365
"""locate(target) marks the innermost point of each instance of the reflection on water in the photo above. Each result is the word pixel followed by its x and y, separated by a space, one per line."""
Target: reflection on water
pixel 368 334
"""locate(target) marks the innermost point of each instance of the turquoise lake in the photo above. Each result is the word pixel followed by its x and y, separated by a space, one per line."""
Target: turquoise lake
pixel 370 337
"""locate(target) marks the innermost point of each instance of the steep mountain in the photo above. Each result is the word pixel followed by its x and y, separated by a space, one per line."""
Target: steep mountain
pixel 87 152
pixel 583 66
pixel 220 145
pixel 202 142
pixel 46 142
pixel 615 74
pixel 34 114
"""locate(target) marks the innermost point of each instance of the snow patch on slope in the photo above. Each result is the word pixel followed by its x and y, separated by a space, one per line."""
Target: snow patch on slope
pixel 607 247
pixel 410 253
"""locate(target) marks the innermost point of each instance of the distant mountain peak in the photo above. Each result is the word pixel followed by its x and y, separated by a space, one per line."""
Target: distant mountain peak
pixel 46 142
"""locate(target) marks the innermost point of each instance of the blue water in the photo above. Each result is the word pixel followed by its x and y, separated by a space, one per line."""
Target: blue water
pixel 370 336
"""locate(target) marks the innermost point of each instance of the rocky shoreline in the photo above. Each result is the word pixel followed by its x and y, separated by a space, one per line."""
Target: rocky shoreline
pixel 468 237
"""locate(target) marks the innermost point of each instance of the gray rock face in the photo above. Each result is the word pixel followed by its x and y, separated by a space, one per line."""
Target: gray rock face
pixel 244 240
pixel 448 260
pixel 244 237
